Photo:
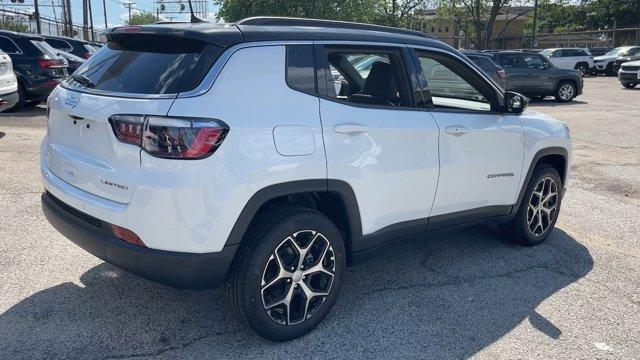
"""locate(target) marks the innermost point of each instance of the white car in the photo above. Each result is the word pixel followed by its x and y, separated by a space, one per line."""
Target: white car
pixel 249 170
pixel 605 63
pixel 8 83
pixel 629 74
pixel 570 58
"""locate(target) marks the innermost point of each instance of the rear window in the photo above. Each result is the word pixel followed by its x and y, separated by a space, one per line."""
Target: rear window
pixel 59 44
pixel 484 63
pixel 8 46
pixel 149 64
pixel 46 48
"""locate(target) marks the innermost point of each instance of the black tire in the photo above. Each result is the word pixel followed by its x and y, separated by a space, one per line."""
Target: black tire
pixel 22 99
pixel 518 229
pixel 609 70
pixel 630 85
pixel 254 258
pixel 583 67
pixel 559 94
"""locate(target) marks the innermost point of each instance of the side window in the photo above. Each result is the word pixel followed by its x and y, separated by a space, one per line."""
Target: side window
pixel 510 61
pixel 301 68
pixel 59 44
pixel 367 76
pixel 534 61
pixel 634 51
pixel 449 84
pixel 8 46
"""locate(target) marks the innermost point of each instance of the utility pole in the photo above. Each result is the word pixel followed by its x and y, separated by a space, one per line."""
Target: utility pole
pixel 69 18
pixel 64 18
pixel 104 6
pixel 128 5
pixel 85 20
pixel 36 15
pixel 91 20
pixel 535 19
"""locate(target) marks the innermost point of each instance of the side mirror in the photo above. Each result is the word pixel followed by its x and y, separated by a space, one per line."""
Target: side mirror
pixel 515 103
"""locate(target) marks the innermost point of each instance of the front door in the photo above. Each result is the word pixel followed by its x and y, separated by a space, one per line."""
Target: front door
pixel 375 139
pixel 480 150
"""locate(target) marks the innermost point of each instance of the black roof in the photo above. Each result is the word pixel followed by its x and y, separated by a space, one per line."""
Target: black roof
pixel 24 35
pixel 65 38
pixel 282 29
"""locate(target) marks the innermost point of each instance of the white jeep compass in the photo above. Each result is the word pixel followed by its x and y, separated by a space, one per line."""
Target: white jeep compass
pixel 271 154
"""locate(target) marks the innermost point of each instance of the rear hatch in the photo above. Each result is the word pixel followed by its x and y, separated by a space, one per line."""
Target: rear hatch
pixel 136 75
pixel 51 62
pixel 8 82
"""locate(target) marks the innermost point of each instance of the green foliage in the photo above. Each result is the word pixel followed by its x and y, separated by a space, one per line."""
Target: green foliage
pixel 142 19
pixel 13 26
pixel 601 13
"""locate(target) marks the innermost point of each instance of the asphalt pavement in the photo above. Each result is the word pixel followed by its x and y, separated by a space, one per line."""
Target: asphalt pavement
pixel 455 295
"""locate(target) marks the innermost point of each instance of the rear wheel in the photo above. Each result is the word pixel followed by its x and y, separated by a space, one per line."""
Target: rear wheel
pixel 566 91
pixel 583 67
pixel 288 274
pixel 629 85
pixel 538 210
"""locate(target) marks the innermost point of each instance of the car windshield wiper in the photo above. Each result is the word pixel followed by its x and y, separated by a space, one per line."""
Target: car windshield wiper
pixel 83 80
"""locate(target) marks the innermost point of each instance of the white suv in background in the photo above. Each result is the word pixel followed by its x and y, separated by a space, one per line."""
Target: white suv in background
pixel 605 63
pixel 629 74
pixel 8 83
pixel 242 158
pixel 570 58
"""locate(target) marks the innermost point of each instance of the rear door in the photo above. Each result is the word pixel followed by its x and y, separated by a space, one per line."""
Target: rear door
pixel 480 150
pixel 374 137
pixel 81 147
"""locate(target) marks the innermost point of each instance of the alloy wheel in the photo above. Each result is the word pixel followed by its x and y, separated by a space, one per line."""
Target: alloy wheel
pixel 298 277
pixel 543 206
pixel 566 92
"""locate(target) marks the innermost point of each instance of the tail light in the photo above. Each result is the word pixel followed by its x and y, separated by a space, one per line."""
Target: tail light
pixel 501 74
pixel 170 137
pixel 48 63
pixel 86 55
pixel 127 235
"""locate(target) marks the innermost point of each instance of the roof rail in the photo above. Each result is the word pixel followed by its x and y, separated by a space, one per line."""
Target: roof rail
pixel 289 21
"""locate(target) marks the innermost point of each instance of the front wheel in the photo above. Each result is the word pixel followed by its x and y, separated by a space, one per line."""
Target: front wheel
pixel 566 91
pixel 287 276
pixel 630 85
pixel 539 208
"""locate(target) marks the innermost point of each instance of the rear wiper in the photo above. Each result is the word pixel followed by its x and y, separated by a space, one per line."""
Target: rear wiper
pixel 83 80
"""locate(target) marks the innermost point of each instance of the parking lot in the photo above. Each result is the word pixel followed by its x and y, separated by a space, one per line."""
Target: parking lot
pixel 454 295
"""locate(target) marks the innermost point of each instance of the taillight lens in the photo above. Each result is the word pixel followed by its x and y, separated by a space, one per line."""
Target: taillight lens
pixel 170 137
pixel 47 63
pixel 127 235
pixel 86 55
pixel 501 73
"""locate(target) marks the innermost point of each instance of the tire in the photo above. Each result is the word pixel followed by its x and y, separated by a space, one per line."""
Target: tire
pixel 609 70
pixel 531 227
pixel 566 91
pixel 22 99
pixel 255 281
pixel 537 97
pixel 583 67
pixel 630 85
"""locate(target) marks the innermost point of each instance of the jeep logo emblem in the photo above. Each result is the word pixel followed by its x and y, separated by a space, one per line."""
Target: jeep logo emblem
pixel 72 101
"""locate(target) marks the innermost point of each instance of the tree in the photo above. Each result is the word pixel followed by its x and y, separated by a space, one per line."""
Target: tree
pixel 13 26
pixel 142 18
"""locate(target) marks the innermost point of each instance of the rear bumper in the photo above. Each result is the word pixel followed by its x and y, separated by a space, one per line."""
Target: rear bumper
pixel 40 89
pixel 8 100
pixel 176 269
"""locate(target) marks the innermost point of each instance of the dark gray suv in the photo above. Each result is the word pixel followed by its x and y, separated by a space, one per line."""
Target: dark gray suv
pixel 533 75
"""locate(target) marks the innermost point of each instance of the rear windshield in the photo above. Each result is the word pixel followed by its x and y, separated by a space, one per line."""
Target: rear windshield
pixel 149 64
pixel 46 48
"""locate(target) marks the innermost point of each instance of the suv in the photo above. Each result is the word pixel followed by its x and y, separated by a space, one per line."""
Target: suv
pixel 37 65
pixel 606 63
pixel 629 74
pixel 632 54
pixel 488 64
pixel 79 48
pixel 532 74
pixel 8 83
pixel 236 159
pixel 570 58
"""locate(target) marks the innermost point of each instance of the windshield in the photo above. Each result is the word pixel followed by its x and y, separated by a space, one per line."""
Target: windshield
pixel 149 64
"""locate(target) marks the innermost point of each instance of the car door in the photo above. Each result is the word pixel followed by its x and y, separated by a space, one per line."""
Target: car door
pixel 480 149
pixel 375 140
pixel 540 75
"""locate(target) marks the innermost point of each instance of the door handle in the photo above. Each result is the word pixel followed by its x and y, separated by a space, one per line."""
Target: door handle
pixel 350 129
pixel 456 130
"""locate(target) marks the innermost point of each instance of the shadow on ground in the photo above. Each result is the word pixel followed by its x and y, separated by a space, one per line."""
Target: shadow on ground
pixel 550 102
pixel 26 112
pixel 447 296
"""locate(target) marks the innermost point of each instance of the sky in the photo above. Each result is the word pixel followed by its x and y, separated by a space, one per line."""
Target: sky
pixel 117 13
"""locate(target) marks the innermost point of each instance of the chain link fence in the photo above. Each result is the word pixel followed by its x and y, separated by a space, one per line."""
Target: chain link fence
pixel 24 21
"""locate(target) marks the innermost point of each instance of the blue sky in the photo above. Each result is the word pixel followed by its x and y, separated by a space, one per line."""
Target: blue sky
pixel 116 13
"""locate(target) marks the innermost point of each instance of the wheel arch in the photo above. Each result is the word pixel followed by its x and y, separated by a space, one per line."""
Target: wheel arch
pixel 333 198
pixel 556 156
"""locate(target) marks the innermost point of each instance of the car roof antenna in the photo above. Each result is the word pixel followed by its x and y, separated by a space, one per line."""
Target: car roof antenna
pixel 194 18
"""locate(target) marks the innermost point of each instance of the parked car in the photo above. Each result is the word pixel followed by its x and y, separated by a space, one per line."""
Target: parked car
pixel 80 48
pixel 629 74
pixel 226 173
pixel 570 58
pixel 74 61
pixel 605 63
pixel 535 76
pixel 487 63
pixel 599 51
pixel 631 54
pixel 36 64
pixel 8 83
